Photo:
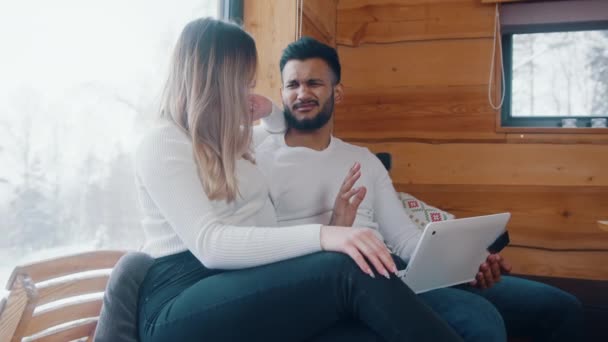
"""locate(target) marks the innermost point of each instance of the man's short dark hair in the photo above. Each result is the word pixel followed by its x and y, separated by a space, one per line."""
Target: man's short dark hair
pixel 306 48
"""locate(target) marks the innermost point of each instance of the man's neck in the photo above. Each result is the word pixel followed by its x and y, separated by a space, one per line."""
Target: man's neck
pixel 317 140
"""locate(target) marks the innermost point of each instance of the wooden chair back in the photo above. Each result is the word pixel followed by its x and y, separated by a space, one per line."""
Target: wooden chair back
pixel 57 299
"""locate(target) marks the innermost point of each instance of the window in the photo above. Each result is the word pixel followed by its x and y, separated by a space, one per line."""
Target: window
pixel 80 79
pixel 556 72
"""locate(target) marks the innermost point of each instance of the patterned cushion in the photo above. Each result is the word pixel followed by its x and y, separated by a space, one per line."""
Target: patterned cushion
pixel 420 212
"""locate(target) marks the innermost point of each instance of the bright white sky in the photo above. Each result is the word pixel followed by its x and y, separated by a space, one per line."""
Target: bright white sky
pixel 67 61
pixel 56 44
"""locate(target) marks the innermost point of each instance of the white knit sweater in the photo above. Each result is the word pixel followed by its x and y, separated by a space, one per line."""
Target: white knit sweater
pixel 305 183
pixel 178 216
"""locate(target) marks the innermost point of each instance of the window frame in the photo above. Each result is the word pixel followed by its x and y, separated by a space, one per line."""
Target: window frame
pixel 231 10
pixel 508 121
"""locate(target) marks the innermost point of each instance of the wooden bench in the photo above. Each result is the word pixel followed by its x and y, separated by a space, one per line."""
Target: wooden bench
pixel 57 299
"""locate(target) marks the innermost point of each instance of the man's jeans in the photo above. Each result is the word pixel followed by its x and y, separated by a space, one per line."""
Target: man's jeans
pixel 513 307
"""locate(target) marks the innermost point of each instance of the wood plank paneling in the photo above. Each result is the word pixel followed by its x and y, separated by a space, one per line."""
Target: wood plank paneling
pixel 405 112
pixel 416 74
pixel 552 217
pixel 273 25
pixel 525 138
pixel 430 63
pixel 497 164
pixel 397 21
pixel 319 20
pixel 586 265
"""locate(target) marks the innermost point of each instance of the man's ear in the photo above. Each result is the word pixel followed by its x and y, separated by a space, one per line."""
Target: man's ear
pixel 338 93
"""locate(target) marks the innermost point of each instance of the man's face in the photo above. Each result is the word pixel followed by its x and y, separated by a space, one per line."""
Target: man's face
pixel 308 94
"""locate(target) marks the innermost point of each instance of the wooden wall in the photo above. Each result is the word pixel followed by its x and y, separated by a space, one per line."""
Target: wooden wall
pixel 273 25
pixel 416 75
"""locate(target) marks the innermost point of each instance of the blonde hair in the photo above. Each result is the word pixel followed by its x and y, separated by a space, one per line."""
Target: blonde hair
pixel 213 65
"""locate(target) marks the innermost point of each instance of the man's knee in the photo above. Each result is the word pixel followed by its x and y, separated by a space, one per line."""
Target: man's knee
pixel 473 317
pixel 483 322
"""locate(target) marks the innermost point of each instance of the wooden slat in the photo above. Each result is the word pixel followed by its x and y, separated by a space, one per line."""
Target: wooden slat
pixel 319 20
pixel 526 138
pixel 499 1
pixel 84 329
pixel 63 314
pixel 497 164
pixel 429 63
pixel 18 308
pixel 542 216
pixel 72 287
pixel 433 112
pixel 54 268
pixel 586 265
pixel 553 130
pixel 397 21
pixel 273 25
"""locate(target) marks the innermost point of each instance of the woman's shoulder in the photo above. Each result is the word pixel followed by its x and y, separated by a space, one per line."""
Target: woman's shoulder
pixel 164 138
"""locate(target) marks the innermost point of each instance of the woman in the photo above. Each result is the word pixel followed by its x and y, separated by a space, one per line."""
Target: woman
pixel 223 271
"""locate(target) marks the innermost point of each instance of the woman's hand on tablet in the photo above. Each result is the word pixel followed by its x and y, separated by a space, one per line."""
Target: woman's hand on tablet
pixel 362 245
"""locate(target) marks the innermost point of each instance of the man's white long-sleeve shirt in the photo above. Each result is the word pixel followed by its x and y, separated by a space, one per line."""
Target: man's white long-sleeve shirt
pixel 304 184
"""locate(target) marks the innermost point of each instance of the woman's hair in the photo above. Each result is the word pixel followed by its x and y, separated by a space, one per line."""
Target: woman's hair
pixel 213 66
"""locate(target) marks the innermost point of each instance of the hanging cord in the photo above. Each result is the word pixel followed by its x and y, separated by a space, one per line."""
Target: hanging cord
pixel 502 66
pixel 297 19
pixel 300 17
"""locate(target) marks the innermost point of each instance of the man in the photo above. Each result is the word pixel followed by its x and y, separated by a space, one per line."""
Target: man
pixel 306 165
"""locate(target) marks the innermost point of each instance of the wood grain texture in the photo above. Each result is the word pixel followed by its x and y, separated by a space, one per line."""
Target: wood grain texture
pixel 397 21
pixel 273 26
pixel 70 333
pixel 462 62
pixel 556 138
pixel 18 309
pixel 416 77
pixel 319 20
pixel 499 1
pixel 548 217
pixel 57 267
pixel 584 265
pixel 63 314
pixel 497 164
pixel 72 287
pixel 433 112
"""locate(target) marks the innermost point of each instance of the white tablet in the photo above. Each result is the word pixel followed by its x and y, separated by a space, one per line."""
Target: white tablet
pixel 450 252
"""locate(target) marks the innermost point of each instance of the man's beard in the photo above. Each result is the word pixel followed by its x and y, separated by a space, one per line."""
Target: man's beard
pixel 312 124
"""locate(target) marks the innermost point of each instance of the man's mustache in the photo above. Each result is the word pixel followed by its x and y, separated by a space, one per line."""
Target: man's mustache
pixel 300 104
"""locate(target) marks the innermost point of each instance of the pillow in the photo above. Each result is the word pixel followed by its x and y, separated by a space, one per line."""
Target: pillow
pixel 421 213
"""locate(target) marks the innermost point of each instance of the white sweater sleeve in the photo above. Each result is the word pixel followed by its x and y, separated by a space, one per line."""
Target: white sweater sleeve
pixel 399 232
pixel 167 171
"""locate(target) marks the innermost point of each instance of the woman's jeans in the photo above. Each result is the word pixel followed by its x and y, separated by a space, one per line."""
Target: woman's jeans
pixel 300 299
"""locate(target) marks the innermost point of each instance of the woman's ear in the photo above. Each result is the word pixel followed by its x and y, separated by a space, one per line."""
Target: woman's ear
pixel 338 93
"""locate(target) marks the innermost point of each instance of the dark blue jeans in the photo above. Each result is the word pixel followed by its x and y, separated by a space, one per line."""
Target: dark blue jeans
pixel 515 307
pixel 311 298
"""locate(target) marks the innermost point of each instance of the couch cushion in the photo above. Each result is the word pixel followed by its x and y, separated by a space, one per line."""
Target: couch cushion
pixel 421 213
